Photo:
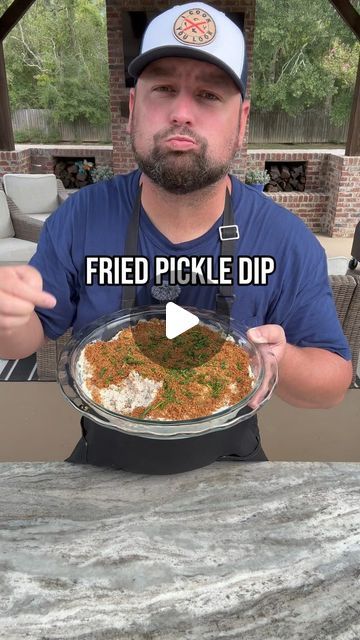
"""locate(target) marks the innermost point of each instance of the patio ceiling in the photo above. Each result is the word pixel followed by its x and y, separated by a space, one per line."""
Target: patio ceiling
pixel 18 8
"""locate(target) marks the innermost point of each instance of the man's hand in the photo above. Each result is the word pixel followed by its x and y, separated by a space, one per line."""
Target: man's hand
pixel 309 377
pixel 271 342
pixel 21 289
pixel 272 336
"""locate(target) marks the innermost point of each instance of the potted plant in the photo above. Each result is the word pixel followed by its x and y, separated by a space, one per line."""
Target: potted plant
pixel 101 173
pixel 257 178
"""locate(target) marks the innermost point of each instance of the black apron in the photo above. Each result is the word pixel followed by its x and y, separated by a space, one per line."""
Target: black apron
pixel 106 447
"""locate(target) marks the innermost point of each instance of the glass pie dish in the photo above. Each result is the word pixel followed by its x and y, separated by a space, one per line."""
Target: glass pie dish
pixel 263 367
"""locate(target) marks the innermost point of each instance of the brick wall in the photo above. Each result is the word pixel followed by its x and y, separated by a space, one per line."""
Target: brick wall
pixel 310 207
pixel 331 202
pixel 42 158
pixel 119 95
pixel 343 186
pixel 330 206
pixel 316 165
pixel 15 161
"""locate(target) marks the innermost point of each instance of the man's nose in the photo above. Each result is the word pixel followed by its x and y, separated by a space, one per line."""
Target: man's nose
pixel 182 110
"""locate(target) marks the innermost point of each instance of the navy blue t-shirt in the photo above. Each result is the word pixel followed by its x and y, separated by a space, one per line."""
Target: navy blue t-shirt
pixel 94 222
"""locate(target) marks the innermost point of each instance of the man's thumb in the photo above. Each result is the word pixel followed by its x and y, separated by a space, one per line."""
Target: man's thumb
pixel 256 336
pixel 29 275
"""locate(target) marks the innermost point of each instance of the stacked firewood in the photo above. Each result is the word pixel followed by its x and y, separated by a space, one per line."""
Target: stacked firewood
pixel 73 174
pixel 286 178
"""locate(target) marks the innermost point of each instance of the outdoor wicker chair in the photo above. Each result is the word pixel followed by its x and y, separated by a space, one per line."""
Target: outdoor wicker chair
pixel 48 355
pixel 31 199
pixel 14 247
pixel 346 291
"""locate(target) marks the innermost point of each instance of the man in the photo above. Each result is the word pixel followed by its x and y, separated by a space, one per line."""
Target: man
pixel 187 119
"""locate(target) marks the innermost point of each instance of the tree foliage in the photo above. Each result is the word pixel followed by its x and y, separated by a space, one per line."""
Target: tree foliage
pixel 305 56
pixel 56 58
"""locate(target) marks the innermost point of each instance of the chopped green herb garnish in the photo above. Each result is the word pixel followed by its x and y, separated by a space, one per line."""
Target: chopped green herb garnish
pixel 216 388
pixel 129 359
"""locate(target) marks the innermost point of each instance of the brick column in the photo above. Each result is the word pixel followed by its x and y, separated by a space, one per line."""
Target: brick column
pixel 15 161
pixel 117 82
pixel 343 185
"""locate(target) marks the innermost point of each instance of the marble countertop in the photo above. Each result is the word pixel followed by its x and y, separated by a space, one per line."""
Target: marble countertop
pixel 254 551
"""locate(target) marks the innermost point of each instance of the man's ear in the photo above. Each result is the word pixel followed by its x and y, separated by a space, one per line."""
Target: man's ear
pixel 245 108
pixel 131 109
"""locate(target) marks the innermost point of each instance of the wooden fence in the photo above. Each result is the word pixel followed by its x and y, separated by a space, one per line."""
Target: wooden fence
pixel 309 127
pixel 39 120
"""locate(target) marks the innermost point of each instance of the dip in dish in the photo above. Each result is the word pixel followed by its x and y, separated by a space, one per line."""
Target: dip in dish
pixel 141 374
pixel 196 380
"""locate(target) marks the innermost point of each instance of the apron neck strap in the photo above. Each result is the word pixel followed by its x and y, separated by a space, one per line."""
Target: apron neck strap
pixel 131 249
pixel 229 233
pixel 225 296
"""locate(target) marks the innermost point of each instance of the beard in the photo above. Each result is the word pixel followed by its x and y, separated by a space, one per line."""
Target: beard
pixel 181 172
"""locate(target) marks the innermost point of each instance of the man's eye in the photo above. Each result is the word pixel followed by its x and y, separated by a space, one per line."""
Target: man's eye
pixel 207 95
pixel 164 89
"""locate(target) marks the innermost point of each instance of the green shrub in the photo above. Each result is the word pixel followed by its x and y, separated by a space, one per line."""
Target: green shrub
pixel 37 136
pixel 257 176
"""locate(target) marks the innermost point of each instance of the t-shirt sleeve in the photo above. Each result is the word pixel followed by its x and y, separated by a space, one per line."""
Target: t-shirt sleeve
pixel 53 259
pixel 310 319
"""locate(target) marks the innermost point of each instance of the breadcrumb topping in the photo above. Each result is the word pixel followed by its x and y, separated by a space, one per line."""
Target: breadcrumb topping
pixel 142 374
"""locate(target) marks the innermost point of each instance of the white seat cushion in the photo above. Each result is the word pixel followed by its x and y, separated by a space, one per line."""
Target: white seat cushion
pixel 6 227
pixel 32 193
pixel 16 250
pixel 337 266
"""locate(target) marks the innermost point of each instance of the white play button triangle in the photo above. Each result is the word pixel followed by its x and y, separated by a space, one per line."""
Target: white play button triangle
pixel 178 320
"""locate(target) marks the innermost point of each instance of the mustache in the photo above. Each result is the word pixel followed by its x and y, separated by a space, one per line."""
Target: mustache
pixel 179 131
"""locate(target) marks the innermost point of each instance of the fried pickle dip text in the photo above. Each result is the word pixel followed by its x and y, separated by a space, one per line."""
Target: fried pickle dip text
pixel 194 375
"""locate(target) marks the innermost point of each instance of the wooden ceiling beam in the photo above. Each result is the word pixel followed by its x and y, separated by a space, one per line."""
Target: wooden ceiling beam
pixel 12 15
pixel 353 140
pixel 352 19
pixel 349 14
pixel 6 130
pixel 8 21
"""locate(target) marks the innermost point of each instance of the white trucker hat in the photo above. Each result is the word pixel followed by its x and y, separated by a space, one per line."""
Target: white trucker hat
pixel 195 30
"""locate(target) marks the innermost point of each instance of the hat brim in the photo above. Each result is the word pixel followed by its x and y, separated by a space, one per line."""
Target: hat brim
pixel 137 66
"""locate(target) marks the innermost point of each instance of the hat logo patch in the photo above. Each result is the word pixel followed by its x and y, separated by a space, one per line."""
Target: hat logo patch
pixel 195 27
